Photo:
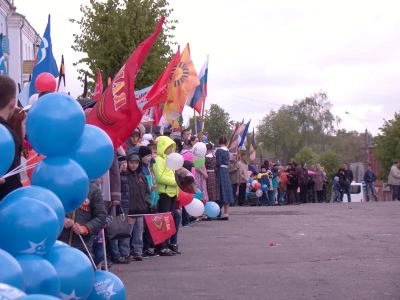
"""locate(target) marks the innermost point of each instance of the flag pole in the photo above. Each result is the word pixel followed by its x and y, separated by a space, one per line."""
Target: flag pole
pixel 202 121
pixel 195 121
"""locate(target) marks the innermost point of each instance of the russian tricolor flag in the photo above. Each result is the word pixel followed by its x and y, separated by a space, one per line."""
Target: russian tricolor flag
pixel 200 92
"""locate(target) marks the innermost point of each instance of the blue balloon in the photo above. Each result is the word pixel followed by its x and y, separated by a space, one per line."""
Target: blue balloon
pixel 38 297
pixel 11 271
pixel 54 124
pixel 212 209
pixel 250 180
pixel 94 151
pixel 205 139
pixel 41 194
pixel 264 187
pixel 75 271
pixel 60 244
pixel 8 292
pixel 65 178
pixel 107 286
pixel 45 281
pixel 198 195
pixel 7 150
pixel 28 226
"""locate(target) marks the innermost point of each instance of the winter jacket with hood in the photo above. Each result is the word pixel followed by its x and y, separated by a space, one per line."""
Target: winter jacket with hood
pixel 139 193
pixel 165 177
pixel 91 215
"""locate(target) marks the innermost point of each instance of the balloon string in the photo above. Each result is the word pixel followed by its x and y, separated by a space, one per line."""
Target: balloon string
pixel 20 166
pixel 19 171
pixel 88 253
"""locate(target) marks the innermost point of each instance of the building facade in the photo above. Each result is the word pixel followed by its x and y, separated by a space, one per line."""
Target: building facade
pixel 20 42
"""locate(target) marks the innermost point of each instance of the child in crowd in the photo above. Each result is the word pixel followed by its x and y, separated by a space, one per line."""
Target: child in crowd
pixel 86 221
pixel 147 170
pixel 166 185
pixel 337 190
pixel 120 249
pixel 263 179
pixel 139 201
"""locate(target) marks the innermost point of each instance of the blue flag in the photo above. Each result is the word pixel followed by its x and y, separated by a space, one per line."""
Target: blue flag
pixel 45 61
pixel 3 69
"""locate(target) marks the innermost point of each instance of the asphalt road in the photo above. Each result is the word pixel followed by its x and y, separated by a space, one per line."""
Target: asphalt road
pixel 311 251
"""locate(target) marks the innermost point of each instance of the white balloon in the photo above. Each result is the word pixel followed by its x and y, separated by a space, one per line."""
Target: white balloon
pixel 199 150
pixel 33 98
pixel 259 193
pixel 195 208
pixel 174 161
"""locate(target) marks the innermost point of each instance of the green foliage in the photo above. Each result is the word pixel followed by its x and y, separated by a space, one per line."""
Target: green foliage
pixel 111 30
pixel 349 145
pixel 331 162
pixel 387 143
pixel 306 155
pixel 216 122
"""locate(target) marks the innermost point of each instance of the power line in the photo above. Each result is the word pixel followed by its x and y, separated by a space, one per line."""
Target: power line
pixel 278 104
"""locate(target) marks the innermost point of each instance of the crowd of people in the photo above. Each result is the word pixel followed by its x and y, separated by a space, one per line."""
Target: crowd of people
pixel 141 183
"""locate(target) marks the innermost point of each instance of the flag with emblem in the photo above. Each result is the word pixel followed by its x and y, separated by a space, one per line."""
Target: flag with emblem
pixel 45 61
pixel 253 147
pixel 61 77
pixel 117 112
pixel 98 89
pixel 3 67
pixel 161 227
pixel 158 93
pixel 182 86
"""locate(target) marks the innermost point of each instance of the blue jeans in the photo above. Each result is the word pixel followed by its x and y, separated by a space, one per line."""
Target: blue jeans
pixel 119 248
pixel 98 253
pixel 264 198
pixel 177 220
pixel 185 217
pixel 395 189
pixel 346 190
pixel 271 198
pixel 370 186
pixel 282 197
pixel 137 237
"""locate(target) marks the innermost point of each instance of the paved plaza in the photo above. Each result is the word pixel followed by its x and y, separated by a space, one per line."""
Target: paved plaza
pixel 310 251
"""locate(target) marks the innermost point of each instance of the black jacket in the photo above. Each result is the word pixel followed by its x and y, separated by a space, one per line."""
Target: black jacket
pixel 13 182
pixel 139 192
pixel 91 214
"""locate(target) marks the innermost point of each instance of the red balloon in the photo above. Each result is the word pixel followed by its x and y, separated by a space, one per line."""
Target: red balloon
pixel 257 186
pixel 45 82
pixel 184 198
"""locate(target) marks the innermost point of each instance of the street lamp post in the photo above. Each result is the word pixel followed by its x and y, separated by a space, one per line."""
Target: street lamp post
pixel 366 135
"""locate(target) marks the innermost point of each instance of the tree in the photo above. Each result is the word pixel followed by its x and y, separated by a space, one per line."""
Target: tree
pixel 278 133
pixel 306 155
pixel 387 145
pixel 111 30
pixel 331 162
pixel 217 122
pixel 350 146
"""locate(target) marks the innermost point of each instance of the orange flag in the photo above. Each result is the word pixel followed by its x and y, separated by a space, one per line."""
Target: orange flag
pixel 98 89
pixel 182 85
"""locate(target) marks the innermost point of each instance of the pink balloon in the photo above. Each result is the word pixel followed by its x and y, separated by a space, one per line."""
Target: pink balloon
pixel 193 171
pixel 188 156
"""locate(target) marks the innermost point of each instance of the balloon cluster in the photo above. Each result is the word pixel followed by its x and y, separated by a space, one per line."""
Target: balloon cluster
pixel 192 201
pixel 31 218
pixel 260 188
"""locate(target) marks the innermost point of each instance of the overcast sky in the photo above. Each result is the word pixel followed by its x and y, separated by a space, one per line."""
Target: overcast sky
pixel 267 53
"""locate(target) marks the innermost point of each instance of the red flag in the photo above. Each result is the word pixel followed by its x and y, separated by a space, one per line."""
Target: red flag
pixel 158 92
pixel 98 89
pixel 117 112
pixel 161 227
pixel 157 114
